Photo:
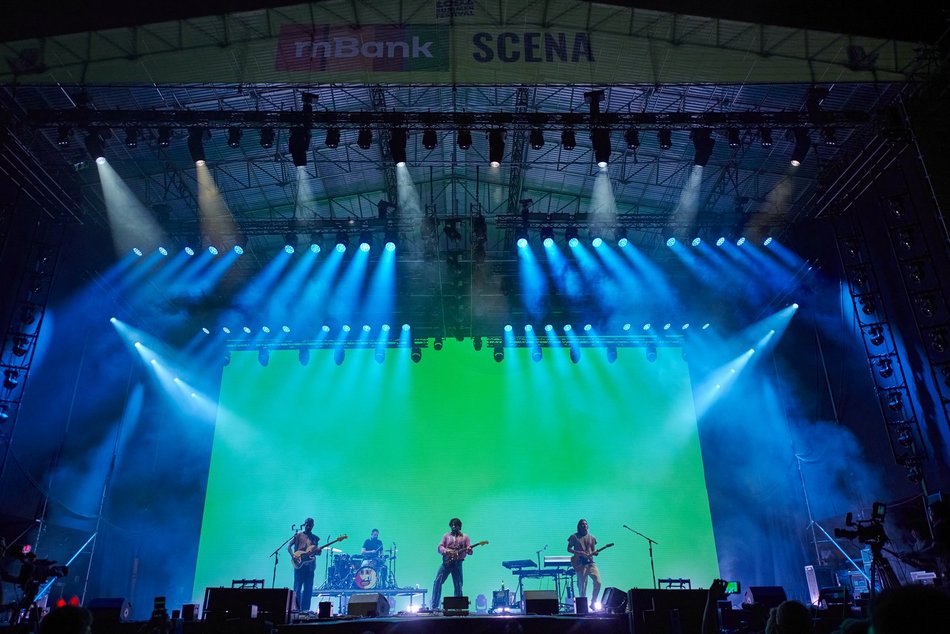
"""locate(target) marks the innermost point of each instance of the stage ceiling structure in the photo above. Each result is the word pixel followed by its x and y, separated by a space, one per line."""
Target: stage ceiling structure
pixel 516 67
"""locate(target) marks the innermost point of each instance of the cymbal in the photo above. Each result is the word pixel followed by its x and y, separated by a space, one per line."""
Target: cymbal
pixel 333 550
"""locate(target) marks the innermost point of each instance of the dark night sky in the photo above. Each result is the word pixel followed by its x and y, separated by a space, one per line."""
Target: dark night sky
pixel 914 21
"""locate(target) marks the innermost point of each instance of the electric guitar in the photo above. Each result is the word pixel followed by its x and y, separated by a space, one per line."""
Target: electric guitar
pixel 308 554
pixel 455 554
pixel 580 560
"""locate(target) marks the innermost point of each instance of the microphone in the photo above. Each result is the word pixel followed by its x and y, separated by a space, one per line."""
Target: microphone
pixel 293 527
pixel 627 527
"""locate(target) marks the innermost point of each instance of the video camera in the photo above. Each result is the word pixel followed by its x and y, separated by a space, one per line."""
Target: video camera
pixel 869 531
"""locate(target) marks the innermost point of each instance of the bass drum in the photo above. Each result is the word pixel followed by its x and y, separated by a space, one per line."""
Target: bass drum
pixel 340 575
pixel 366 578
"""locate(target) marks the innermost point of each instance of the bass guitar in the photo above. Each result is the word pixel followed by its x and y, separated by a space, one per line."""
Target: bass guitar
pixel 308 554
pixel 455 554
pixel 580 560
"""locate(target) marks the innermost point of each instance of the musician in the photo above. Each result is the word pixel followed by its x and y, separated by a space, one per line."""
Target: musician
pixel 454 547
pixel 583 546
pixel 304 546
pixel 373 557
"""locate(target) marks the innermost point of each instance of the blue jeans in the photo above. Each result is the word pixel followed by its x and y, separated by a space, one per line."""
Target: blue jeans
pixel 453 568
pixel 303 586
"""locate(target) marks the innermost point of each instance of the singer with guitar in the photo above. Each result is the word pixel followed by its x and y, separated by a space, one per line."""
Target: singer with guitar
pixel 583 546
pixel 454 547
pixel 303 550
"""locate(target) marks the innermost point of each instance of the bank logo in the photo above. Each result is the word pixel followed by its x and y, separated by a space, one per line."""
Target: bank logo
pixel 374 48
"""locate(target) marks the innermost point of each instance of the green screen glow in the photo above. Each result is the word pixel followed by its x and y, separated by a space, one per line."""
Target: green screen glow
pixel 518 450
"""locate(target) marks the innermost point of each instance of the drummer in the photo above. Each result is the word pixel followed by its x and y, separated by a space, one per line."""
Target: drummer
pixel 372 554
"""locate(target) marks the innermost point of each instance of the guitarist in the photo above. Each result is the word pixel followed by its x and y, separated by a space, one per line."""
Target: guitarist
pixel 454 547
pixel 583 546
pixel 304 546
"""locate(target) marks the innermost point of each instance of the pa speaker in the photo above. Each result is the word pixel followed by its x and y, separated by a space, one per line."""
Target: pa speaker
pixel 368 605
pixel 540 602
pixel 766 596
pixel 272 604
pixel 455 606
pixel 614 601
pixel 110 610
pixel 666 611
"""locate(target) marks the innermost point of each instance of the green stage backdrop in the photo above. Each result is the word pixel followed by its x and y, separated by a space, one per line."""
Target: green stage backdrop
pixel 518 450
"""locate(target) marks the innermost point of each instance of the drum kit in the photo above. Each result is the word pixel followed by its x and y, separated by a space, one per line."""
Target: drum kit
pixel 360 572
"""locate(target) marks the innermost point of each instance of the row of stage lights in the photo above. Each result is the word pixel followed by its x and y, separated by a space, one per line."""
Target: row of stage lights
pixel 299 141
pixel 366 241
pixel 549 329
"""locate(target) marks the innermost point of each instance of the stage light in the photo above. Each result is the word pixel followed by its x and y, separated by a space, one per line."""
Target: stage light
pixel 379 355
pixel 366 240
pixel 11 378
pixel 339 355
pixel 299 146
pixel 830 136
pixel 263 356
pixel 213 250
pixel 477 343
pixel 703 144
pixel 342 241
pixel 547 236
pixel 162 251
pixel 720 241
pixel 405 327
pixel 464 138
pixel 234 137
pixel 670 242
pixel 521 237
pixel 397 145
pixel 620 237
pixel 696 241
pixel 611 354
pixel 451 231
pixel 647 326
pixel 767 241
pixel 665 138
pixel 568 142
pixel 267 138
pixel 600 139
pixel 765 137
pixel 802 145
pixel 364 139
pixel 164 136
pixel 632 137
pixel 332 139
pixel 416 354
pixel 885 368
pixel 536 138
pixel 499 354
pixel 131 137
pixel 740 241
pixel 667 326
pixel 438 343
pixel 734 140
pixel 20 346
pixel 390 239
pixel 575 354
pixel 63 133
pixel 597 242
pixel 196 145
pixel 429 139
pixel 496 146
pixel 94 144
pixel 303 356
pixel 536 353
pixel 895 401
pixel 651 353
pixel 570 234
pixel 876 335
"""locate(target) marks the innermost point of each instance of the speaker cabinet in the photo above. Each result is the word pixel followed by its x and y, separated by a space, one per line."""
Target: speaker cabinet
pixel 368 605
pixel 455 606
pixel 272 604
pixel 766 596
pixel 540 602
pixel 110 610
pixel 614 601
pixel 189 612
pixel 666 611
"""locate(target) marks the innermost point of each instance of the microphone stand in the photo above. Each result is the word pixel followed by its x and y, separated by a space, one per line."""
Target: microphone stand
pixel 276 556
pixel 650 542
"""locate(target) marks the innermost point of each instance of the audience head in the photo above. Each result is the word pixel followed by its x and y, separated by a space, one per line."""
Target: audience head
pixel 69 619
pixel 790 617
pixel 912 608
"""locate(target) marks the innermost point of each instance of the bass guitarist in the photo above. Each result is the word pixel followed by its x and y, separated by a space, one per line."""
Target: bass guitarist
pixel 583 546
pixel 454 547
pixel 303 548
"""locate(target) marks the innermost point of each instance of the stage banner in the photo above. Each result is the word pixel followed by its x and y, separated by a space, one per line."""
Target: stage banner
pixel 455 41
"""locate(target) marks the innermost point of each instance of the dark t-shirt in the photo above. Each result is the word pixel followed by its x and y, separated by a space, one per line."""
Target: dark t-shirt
pixel 375 545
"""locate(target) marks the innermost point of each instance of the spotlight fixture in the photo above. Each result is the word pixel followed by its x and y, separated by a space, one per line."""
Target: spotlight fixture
pixel 536 138
pixel 632 137
pixel 885 368
pixel 342 240
pixel 665 138
pixel 131 137
pixel 600 140
pixel 521 237
pixel 611 354
pixel 339 354
pixel 303 356
pixel 536 353
pixel 570 235
pixel 20 346
pixel 11 378
pixel 477 343
pixel 429 139
pixel 267 138
pixel 415 354
pixel 547 236
pixel 366 240
pixel 876 335
pixel 651 353
pixel 333 138
pixel 568 142
pixel 499 354
pixel 732 134
pixel 390 239
pixel 496 146
pixel 437 343
pixel 765 137
pixel 299 146
pixel 234 137
pixel 196 145
pixel 464 138
pixel 380 354
pixel 802 145
pixel 397 145
pixel 63 133
pixel 263 356
pixel 620 237
pixel 164 136
pixel 830 136
pixel 94 143
pixel 575 354
pixel 364 139
pixel 703 143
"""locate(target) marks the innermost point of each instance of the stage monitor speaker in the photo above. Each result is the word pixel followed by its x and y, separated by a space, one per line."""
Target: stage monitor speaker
pixel 272 604
pixel 766 596
pixel 666 611
pixel 540 602
pixel 614 601
pixel 189 612
pixel 455 606
pixel 580 605
pixel 110 610
pixel 368 605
